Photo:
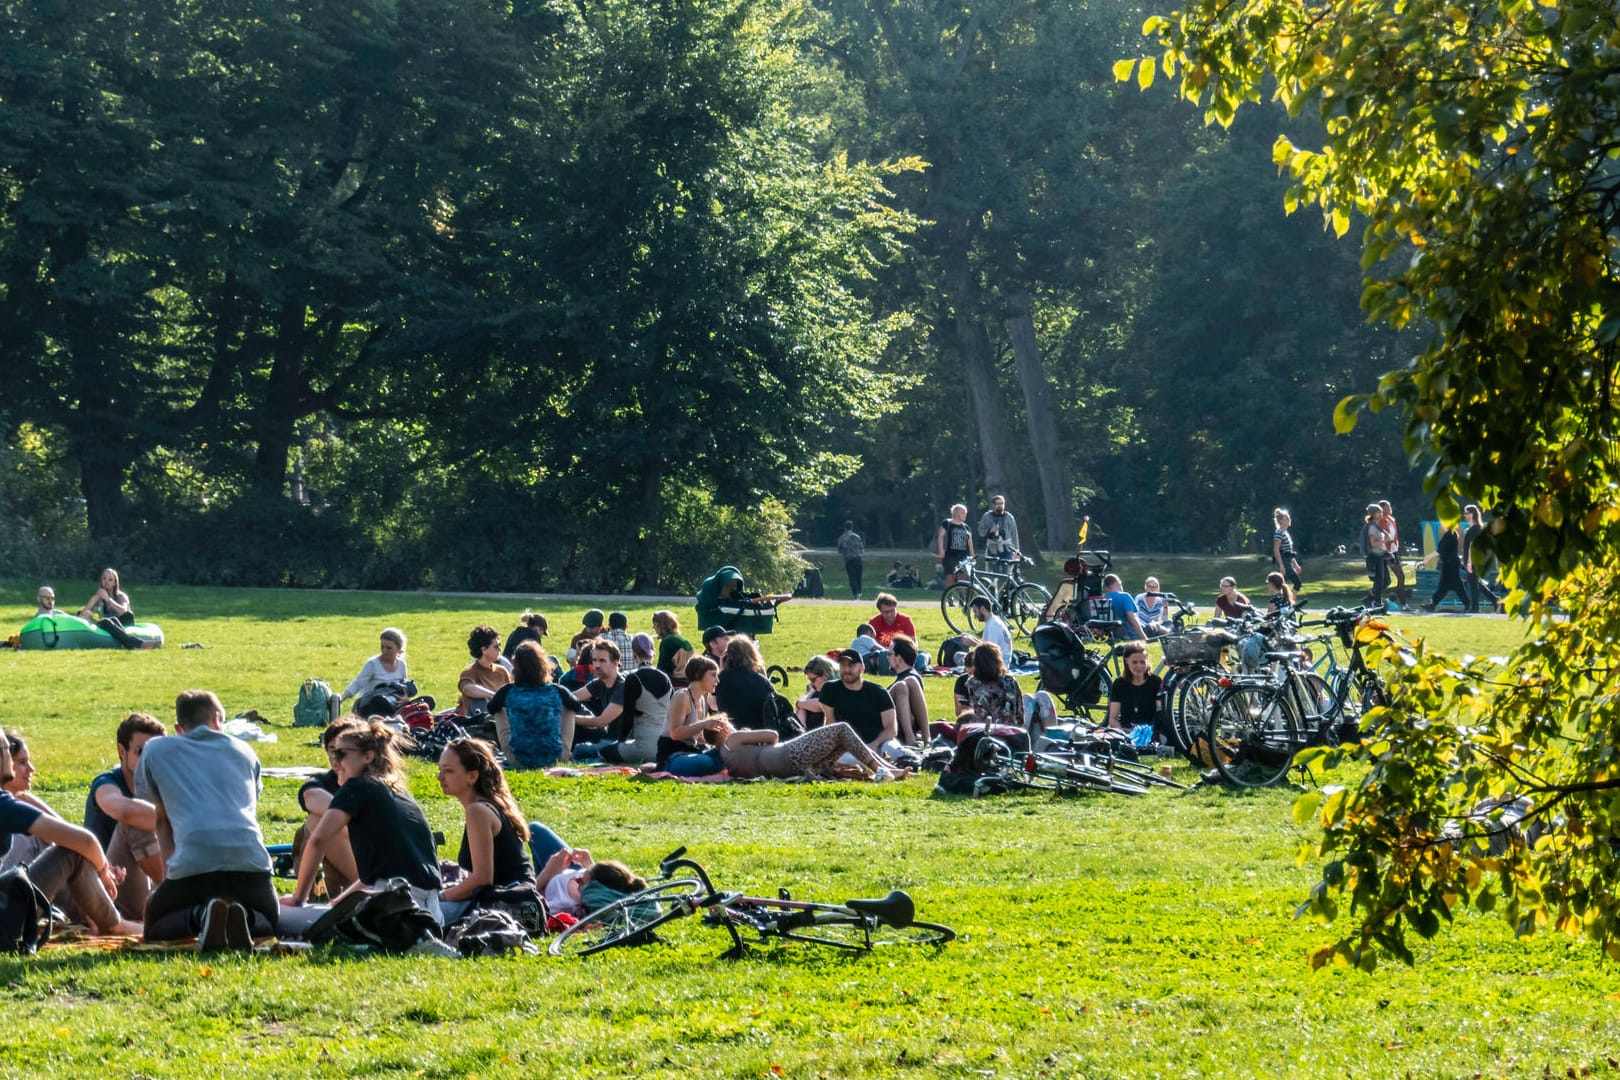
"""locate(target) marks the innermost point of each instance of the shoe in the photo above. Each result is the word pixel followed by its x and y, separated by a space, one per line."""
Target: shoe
pixel 216 916
pixel 1429 608
pixel 432 946
pixel 238 928
pixel 1213 776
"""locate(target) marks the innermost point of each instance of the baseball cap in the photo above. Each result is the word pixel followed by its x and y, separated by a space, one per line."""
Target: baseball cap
pixel 643 644
pixel 850 656
pixel 593 617
pixel 713 632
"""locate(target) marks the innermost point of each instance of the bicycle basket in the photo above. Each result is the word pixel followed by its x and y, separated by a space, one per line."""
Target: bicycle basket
pixel 1194 648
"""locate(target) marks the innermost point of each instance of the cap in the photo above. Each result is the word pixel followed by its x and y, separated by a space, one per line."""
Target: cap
pixel 713 632
pixel 850 656
pixel 593 617
pixel 642 644
pixel 618 621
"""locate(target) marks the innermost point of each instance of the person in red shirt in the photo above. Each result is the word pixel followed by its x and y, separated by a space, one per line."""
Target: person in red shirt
pixel 890 622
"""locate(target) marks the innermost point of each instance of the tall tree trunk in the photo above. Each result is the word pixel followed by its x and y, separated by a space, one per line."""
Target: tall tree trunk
pixel 651 518
pixel 973 341
pixel 1044 440
pixel 282 404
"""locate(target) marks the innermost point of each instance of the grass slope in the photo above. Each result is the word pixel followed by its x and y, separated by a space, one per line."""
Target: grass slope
pixel 1099 936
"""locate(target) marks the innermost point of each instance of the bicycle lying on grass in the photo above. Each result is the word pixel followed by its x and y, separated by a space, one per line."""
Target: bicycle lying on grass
pixel 855 925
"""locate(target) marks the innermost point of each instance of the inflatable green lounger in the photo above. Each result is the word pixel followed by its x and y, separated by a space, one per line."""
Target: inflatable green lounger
pixel 71 632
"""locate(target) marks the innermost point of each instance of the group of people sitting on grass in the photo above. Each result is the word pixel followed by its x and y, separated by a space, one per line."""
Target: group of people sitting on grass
pixel 171 847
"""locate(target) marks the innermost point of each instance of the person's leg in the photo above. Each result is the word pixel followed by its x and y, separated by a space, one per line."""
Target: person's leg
pixel 703 764
pixel 1399 573
pixel 816 752
pixel 58 869
pixel 1291 576
pixel 128 849
pixel 116 631
pixel 175 909
pixel 543 843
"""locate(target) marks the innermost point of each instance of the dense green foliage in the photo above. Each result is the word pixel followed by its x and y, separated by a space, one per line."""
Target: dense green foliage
pixel 1478 142
pixel 393 281
pixel 1100 936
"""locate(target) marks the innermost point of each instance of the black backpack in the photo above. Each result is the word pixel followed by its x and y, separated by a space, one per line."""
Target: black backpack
pixel 388 920
pixel 25 913
pixel 781 717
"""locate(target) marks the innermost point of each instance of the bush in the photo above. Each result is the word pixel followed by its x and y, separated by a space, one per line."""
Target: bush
pixel 700 537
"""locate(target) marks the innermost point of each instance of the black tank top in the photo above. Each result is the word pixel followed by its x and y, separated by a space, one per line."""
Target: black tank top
pixel 511 854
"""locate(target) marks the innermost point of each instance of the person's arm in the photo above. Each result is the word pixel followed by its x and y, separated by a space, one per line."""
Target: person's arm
pixel 939 544
pixel 136 813
pixel 53 830
pixel 1135 623
pixel 482 825
pixel 984 524
pixel 332 823
pixel 472 689
pixel 679 710
pixel 889 732
pixel 90 604
pixel 751 738
pixel 1276 554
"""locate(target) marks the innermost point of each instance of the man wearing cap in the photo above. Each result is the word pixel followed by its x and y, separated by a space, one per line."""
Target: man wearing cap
pixel 864 706
pixel 618 632
pixel 590 631
pixel 715 640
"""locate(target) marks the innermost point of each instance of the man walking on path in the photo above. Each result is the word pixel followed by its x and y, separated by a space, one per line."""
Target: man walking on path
pixel 852 549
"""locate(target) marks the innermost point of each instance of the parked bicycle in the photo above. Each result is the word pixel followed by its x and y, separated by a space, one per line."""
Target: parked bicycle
pixel 855 925
pixel 1022 603
pixel 1259 722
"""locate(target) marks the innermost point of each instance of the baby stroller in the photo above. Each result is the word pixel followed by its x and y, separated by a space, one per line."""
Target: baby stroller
pixel 723 601
pixel 1069 672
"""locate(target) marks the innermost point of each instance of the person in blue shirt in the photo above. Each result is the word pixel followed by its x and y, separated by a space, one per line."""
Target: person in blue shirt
pixel 74 861
pixel 1129 622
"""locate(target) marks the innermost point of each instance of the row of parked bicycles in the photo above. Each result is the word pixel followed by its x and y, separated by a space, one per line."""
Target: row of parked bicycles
pixel 1242 695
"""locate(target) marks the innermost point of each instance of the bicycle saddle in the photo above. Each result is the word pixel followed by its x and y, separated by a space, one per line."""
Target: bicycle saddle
pixel 896 909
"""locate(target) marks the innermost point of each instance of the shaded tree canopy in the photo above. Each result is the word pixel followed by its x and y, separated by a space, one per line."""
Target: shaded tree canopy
pixel 1477 142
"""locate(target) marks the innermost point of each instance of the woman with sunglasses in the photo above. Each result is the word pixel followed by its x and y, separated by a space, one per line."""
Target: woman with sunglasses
pixel 817 670
pixel 388 833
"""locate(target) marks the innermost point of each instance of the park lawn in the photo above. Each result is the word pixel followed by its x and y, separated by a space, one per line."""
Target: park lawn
pixel 1100 936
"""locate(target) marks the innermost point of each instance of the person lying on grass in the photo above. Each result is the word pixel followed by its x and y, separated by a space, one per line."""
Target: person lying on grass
pixel 72 862
pixel 574 883
pixel 815 755
pixel 493 852
pixel 388 833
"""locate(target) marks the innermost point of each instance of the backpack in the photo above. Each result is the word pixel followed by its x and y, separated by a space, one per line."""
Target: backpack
pixel 490 932
pixel 389 920
pixel 25 913
pixel 781 717
pixel 974 767
pixel 317 705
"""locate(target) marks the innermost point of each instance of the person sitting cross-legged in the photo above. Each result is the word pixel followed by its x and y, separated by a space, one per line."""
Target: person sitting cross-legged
pixel 205 787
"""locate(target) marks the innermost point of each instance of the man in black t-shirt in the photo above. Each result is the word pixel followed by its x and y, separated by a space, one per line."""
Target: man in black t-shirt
pixel 605 696
pixel 863 705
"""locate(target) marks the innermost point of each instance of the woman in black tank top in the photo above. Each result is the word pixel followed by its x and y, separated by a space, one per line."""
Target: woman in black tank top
pixel 493 850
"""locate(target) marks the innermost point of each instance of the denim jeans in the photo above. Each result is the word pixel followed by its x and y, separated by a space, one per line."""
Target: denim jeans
pixel 704 764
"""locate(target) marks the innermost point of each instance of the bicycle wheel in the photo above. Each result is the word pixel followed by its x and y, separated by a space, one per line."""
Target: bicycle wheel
pixel 954 605
pixel 1252 735
pixel 1189 720
pixel 1026 607
pixel 857 933
pixel 628 921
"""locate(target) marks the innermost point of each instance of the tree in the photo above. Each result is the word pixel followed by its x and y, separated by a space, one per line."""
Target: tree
pixel 1479 143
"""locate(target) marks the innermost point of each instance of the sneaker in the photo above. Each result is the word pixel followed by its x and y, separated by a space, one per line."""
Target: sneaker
pixel 238 928
pixel 432 946
pixel 216 916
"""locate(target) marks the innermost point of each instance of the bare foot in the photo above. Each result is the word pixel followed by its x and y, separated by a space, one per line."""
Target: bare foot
pixel 125 928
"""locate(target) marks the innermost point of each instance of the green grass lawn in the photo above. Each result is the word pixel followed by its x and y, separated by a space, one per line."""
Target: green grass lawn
pixel 1100 936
